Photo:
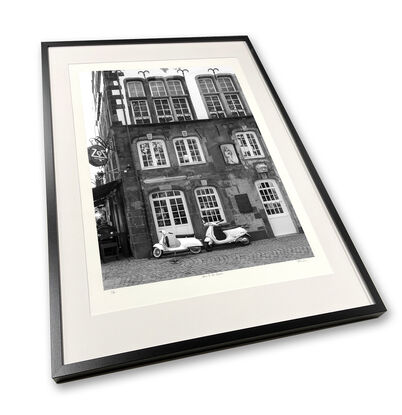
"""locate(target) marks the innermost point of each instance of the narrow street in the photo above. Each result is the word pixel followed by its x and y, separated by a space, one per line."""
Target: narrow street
pixel 128 272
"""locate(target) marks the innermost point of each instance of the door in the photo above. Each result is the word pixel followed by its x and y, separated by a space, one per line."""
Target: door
pixel 275 208
pixel 170 212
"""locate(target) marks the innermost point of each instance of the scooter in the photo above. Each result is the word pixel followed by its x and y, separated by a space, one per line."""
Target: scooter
pixel 217 236
pixel 169 243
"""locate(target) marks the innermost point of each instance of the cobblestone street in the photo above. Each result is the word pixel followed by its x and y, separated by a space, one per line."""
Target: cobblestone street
pixel 127 272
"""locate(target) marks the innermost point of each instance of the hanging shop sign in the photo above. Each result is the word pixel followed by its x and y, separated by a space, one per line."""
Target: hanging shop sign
pixel 97 155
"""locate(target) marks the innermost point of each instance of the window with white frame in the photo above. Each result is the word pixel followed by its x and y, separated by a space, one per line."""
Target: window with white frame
pixel 271 197
pixel 188 150
pixel 235 105
pixel 175 87
pixel 181 109
pixel 207 85
pixel 141 113
pixel 157 88
pixel 163 110
pixel 226 84
pixel 135 89
pixel 214 106
pixel 249 145
pixel 209 204
pixel 152 154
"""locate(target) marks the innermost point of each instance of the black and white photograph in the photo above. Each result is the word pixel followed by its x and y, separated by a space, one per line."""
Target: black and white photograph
pixel 183 182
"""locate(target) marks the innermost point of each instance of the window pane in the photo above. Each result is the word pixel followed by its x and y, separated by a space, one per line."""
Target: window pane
pixel 153 154
pixel 175 87
pixel 270 198
pixel 188 150
pixel 214 106
pixel 163 110
pixel 249 145
pixel 157 88
pixel 206 85
pixel 135 89
pixel 235 105
pixel 159 153
pixel 209 204
pixel 181 151
pixel 145 153
pixel 141 112
pixel 182 109
pixel 226 84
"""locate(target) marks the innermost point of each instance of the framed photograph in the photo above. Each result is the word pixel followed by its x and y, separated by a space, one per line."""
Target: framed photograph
pixel 184 213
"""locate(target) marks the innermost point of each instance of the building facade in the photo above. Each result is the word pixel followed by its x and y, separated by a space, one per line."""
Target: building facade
pixel 175 166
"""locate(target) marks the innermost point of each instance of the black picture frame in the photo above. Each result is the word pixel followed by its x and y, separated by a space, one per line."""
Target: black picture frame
pixel 62 372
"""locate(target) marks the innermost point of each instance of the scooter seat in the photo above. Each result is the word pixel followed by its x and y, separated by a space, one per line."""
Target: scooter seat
pixel 172 241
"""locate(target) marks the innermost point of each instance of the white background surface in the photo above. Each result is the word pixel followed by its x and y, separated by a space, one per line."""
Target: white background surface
pixel 337 66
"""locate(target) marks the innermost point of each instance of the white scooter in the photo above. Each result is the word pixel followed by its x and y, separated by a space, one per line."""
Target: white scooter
pixel 217 236
pixel 169 243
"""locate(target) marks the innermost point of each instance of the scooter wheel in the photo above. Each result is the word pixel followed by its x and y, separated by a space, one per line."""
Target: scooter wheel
pixel 195 249
pixel 208 247
pixel 157 252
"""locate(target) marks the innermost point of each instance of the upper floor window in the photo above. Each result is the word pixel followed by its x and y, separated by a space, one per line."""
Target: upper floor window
pixel 188 150
pixel 214 106
pixel 141 111
pixel 207 86
pixel 152 154
pixel 249 145
pixel 209 204
pixel 163 110
pixel 181 109
pixel 135 89
pixel 175 87
pixel 157 88
pixel 226 84
pixel 235 105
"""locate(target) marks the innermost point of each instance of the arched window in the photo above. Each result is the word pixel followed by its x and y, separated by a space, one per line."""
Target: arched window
pixel 135 89
pixel 249 145
pixel 209 204
pixel 175 87
pixel 157 88
pixel 152 154
pixel 188 150
pixel 226 84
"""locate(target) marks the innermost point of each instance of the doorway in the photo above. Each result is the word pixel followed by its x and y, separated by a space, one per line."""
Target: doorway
pixel 170 212
pixel 275 208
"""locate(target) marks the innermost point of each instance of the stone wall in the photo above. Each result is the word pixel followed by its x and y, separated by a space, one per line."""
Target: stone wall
pixel 234 183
